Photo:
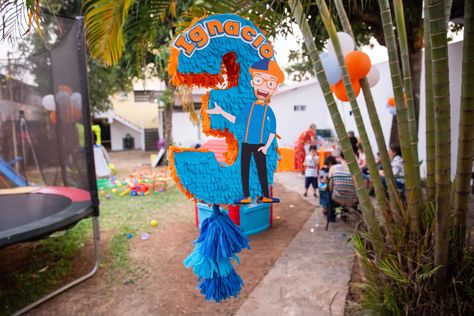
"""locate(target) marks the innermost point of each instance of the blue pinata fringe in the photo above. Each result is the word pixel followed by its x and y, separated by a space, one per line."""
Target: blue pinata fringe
pixel 211 259
pixel 205 268
pixel 221 288
pixel 220 237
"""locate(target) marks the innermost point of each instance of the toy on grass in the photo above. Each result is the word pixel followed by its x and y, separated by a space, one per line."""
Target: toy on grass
pixel 136 187
pixel 238 57
pixel 153 223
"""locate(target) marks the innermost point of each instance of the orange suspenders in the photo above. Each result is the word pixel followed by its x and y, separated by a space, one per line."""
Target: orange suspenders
pixel 263 122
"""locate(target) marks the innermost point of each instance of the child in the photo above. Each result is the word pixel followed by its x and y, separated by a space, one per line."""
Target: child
pixel 311 163
pixel 324 196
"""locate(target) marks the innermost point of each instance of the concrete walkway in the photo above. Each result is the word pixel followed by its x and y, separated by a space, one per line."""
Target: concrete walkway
pixel 312 275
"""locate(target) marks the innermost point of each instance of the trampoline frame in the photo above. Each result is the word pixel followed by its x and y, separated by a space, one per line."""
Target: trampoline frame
pixel 81 53
pixel 96 239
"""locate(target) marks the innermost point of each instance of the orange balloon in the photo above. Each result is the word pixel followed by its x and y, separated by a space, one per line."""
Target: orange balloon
pixel 358 64
pixel 52 117
pixel 340 91
pixel 391 101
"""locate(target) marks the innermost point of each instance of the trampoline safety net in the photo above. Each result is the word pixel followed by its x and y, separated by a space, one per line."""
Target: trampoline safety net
pixel 44 113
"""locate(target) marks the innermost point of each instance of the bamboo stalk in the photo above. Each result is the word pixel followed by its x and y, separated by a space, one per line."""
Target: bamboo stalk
pixel 367 208
pixel 439 50
pixel 429 105
pixel 466 130
pixel 377 128
pixel 410 102
pixel 331 29
pixel 447 9
pixel 413 190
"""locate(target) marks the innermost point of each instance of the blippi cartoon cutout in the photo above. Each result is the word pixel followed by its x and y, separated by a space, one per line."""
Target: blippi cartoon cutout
pixel 266 76
pixel 215 50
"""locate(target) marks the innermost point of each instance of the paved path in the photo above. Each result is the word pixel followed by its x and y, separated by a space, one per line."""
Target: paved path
pixel 312 275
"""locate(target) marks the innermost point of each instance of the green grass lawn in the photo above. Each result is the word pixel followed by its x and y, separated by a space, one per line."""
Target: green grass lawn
pixel 50 260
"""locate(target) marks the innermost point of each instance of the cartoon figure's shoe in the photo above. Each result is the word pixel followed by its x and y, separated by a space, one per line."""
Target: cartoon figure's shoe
pixel 245 200
pixel 268 199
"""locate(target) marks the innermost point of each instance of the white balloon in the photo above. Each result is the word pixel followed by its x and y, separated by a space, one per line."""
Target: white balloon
pixel 49 103
pixel 76 100
pixel 374 76
pixel 346 41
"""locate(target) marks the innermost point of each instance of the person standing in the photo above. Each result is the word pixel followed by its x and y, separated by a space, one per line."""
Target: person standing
pixel 306 137
pixel 311 172
pixel 354 142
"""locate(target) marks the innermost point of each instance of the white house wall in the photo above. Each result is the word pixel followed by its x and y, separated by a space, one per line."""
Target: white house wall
pixel 118 131
pixel 185 133
pixel 291 123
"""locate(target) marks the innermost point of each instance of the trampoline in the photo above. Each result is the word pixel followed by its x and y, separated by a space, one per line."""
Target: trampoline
pixel 26 216
pixel 47 175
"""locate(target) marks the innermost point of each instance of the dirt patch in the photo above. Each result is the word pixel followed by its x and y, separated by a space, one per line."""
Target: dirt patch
pixel 355 293
pixel 158 283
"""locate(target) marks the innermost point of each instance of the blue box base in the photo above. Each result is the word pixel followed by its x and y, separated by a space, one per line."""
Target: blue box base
pixel 254 218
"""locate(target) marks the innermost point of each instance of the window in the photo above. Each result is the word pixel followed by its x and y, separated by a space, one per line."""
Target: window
pixel 299 108
pixel 142 95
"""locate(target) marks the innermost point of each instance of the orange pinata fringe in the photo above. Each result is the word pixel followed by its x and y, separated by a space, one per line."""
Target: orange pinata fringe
pixel 231 69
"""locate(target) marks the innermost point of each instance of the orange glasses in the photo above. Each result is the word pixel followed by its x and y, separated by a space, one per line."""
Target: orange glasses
pixel 270 83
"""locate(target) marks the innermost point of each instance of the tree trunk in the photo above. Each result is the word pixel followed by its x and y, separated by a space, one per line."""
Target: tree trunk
pixel 429 105
pixel 168 99
pixel 375 122
pixel 412 185
pixel 168 118
pixel 439 49
pixel 466 131
pixel 367 208
pixel 407 80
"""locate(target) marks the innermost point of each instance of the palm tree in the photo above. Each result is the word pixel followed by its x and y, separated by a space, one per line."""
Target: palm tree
pixel 370 220
pixel 401 280
pixel 466 132
pixel 146 28
pixel 377 128
pixel 12 18
pixel 429 105
pixel 412 180
pixel 439 50
pixel 405 57
pixel 379 190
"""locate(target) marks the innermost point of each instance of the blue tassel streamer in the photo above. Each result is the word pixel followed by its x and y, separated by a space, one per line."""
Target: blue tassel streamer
pixel 219 241
pixel 221 288
pixel 220 237
pixel 205 268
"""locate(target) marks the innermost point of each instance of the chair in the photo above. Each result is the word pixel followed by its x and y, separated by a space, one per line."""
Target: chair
pixel 347 197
